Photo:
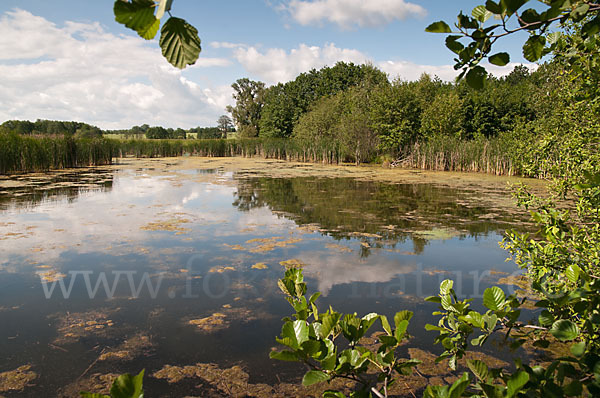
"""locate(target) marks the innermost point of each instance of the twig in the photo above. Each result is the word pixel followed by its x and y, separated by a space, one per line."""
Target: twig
pixel 410 390
pixel 92 364
pixel 57 347
pixel 374 391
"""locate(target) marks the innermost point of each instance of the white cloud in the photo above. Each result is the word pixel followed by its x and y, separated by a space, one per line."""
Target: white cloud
pixel 277 65
pixel 225 44
pixel 81 72
pixel 410 71
pixel 348 13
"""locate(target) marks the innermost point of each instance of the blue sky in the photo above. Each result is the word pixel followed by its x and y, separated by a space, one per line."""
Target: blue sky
pixel 69 59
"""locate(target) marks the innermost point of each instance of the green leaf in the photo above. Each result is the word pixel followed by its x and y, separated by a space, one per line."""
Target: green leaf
pixel 546 318
pixel 434 299
pixel 179 42
pixel 516 382
pixel 301 331
pixel 438 27
pixel 578 13
pixel 481 14
pixel 165 5
pixel 573 272
pixel 474 318
pixel 288 356
pixel 288 336
pixel 511 6
pixel 329 322
pixel 454 45
pixel 479 369
pixel 564 330
pixel 493 298
pixel 534 47
pixel 574 389
pixel 578 349
pixel 314 376
pixel 592 27
pixel 446 286
pixel 401 329
pixel 402 316
pixel 385 324
pixel 138 16
pixel 476 77
pixel 430 327
pixel 388 340
pixel 494 7
pixel 314 297
pixel 459 386
pixel 311 347
pixel 500 59
pixel 128 386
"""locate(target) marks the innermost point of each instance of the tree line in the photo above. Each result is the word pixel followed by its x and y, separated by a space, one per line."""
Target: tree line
pixel 357 110
pixel 42 127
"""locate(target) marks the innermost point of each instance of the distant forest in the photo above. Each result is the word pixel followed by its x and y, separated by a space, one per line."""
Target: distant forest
pixel 83 130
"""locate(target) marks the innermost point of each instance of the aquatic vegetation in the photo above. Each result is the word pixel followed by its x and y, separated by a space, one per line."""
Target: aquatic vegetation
pixel 129 349
pixel 17 380
pixel 211 324
pixel 50 275
pixel 220 270
pixel 292 263
pixel 170 225
pixel 437 233
pixel 222 320
pixel 343 249
pixel 259 266
pixel 235 382
pixel 73 326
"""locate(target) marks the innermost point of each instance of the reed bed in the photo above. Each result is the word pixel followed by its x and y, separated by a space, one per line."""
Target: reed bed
pixel 449 154
pixel 27 154
pixel 270 148
pixel 31 154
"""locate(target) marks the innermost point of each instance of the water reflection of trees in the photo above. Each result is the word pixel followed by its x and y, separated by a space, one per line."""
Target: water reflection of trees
pixel 343 207
pixel 66 186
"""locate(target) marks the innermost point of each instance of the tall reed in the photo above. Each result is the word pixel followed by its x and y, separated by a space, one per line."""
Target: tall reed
pixel 29 154
pixel 24 154
pixel 451 154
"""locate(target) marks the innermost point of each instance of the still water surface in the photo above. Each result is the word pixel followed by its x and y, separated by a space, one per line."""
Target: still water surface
pixel 176 262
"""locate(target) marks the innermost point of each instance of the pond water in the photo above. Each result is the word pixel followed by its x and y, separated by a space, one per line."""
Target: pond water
pixel 175 262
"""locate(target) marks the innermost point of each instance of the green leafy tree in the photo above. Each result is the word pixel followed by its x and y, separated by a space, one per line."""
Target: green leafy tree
pixel 225 125
pixel 443 117
pixel 357 137
pixel 248 95
pixel 157 132
pixel 395 115
pixel 286 103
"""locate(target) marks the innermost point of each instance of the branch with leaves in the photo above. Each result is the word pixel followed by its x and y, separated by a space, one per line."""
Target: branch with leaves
pixel 482 36
pixel 313 338
pixel 179 40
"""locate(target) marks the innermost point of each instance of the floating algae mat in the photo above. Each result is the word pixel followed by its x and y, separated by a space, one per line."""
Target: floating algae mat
pixel 171 265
